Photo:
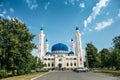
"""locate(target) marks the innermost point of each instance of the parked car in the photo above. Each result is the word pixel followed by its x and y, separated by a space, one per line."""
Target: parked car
pixel 81 69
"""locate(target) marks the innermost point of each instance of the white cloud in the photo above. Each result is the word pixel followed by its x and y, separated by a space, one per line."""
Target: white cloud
pixel 107 13
pixel 96 10
pixel 119 13
pixel 66 2
pixel 2 15
pixel 82 5
pixel 72 1
pixel 32 4
pixel 82 33
pixel 11 10
pixel 104 24
pixel 46 6
pixel 8 17
pixel 4 12
pixel 90 30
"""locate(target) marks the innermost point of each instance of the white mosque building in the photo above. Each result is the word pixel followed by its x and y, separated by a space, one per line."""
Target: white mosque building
pixel 60 57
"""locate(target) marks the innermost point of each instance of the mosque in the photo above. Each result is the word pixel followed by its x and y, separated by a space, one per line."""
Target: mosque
pixel 60 57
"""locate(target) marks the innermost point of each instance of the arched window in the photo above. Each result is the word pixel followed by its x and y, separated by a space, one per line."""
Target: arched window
pixel 48 58
pixel 52 64
pixel 74 64
pixel 48 64
pixel 80 59
pixel 67 64
pixel 45 59
pixel 71 64
pixel 74 58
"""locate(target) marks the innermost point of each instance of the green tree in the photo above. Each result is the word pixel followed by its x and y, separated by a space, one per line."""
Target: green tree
pixel 98 62
pixel 105 57
pixel 115 58
pixel 116 42
pixel 15 45
pixel 115 53
pixel 91 52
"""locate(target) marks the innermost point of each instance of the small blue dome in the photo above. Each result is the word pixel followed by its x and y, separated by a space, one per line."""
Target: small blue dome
pixel 59 47
pixel 41 28
pixel 77 28
pixel 48 53
pixel 71 53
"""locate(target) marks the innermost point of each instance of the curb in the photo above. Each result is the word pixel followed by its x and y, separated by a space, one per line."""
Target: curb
pixel 39 76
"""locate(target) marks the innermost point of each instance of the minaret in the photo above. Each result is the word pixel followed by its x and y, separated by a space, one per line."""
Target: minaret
pixel 46 46
pixel 78 48
pixel 41 44
pixel 72 46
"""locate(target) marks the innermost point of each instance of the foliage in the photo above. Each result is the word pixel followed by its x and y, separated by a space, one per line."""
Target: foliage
pixel 15 46
pixel 20 72
pixel 3 73
pixel 115 58
pixel 98 61
pixel 37 63
pixel 116 42
pixel 105 57
pixel 115 53
pixel 91 52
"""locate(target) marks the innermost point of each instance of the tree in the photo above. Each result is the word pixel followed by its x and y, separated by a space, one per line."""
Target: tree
pixel 105 57
pixel 15 45
pixel 91 52
pixel 115 58
pixel 115 53
pixel 116 42
pixel 37 63
pixel 98 62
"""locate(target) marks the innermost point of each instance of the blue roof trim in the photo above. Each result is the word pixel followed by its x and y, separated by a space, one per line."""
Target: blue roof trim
pixel 46 40
pixel 71 52
pixel 41 28
pixel 71 39
pixel 77 28
pixel 48 53
pixel 59 46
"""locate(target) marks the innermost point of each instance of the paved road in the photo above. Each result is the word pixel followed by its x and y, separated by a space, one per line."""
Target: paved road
pixel 69 75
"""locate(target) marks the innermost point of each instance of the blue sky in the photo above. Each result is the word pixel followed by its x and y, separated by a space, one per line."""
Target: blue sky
pixel 98 20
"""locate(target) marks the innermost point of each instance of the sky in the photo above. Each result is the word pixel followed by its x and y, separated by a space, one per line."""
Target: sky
pixel 98 20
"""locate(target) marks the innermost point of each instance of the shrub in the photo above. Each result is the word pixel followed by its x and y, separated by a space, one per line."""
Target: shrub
pixel 20 72
pixel 3 73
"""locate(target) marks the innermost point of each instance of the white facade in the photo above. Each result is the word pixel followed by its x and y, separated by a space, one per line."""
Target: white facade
pixel 60 57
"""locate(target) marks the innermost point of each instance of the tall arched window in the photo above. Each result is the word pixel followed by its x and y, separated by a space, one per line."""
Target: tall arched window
pixel 74 64
pixel 71 64
pixel 67 64
pixel 52 64
pixel 48 64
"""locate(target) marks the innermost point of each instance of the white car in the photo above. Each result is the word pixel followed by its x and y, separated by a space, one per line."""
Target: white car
pixel 81 69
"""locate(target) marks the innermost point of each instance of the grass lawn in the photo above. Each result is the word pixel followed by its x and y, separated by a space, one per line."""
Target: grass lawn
pixel 111 72
pixel 24 77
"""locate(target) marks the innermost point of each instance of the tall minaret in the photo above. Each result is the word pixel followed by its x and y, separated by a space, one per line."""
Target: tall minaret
pixel 72 46
pixel 78 48
pixel 41 44
pixel 46 46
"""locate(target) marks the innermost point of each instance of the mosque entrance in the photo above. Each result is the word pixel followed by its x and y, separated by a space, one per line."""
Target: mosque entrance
pixel 60 65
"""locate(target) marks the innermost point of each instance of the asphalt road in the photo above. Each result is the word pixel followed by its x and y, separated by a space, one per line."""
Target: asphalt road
pixel 69 75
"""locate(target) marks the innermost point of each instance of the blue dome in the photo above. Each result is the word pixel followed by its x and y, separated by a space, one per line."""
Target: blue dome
pixel 77 28
pixel 48 53
pixel 71 53
pixel 59 47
